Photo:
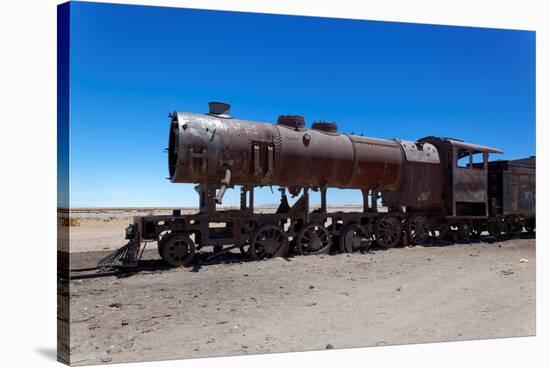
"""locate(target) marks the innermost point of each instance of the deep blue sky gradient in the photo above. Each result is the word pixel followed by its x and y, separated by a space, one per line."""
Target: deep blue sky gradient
pixel 132 65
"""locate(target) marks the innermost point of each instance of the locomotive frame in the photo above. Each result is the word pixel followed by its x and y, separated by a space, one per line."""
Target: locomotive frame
pixel 431 197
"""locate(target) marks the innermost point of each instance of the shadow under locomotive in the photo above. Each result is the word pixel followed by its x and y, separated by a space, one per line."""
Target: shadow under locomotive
pixel 152 263
pixel 432 189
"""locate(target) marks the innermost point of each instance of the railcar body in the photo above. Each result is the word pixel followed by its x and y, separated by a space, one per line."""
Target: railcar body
pixel 429 188
pixel 512 194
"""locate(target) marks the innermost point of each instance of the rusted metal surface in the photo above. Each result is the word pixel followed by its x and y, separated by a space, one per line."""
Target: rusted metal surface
pixel 469 188
pixel 512 186
pixel 328 127
pixel 203 147
pixel 464 187
pixel 428 195
pixel 421 185
pixel 473 147
pixel 419 152
pixel 519 195
pixel 292 121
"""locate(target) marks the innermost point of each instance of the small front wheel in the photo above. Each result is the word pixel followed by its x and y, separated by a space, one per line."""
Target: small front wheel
pixel 177 249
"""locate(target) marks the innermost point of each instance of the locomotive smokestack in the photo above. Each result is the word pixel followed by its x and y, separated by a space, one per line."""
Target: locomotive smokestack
pixel 219 109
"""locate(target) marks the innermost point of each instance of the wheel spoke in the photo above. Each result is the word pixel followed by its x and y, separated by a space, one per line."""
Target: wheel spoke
pixel 313 239
pixel 269 241
pixel 388 231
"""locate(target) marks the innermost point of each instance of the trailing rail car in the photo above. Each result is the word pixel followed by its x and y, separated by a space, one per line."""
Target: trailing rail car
pixel 512 195
pixel 429 188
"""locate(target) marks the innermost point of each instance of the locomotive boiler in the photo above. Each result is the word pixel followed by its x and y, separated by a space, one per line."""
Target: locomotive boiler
pixel 217 148
pixel 413 191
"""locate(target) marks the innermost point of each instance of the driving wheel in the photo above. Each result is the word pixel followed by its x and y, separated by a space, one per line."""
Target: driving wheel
pixel 388 231
pixel 494 227
pixel 463 232
pixel 313 239
pixel 268 241
pixel 418 229
pixel 354 238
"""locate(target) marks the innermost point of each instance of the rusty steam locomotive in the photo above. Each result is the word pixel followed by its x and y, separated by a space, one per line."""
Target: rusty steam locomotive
pixel 428 188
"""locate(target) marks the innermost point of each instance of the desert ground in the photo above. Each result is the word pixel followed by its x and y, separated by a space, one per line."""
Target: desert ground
pixel 234 307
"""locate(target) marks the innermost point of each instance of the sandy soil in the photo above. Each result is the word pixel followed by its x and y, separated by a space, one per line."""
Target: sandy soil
pixel 398 296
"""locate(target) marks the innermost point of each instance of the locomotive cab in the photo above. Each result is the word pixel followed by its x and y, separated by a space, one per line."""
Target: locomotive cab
pixel 464 176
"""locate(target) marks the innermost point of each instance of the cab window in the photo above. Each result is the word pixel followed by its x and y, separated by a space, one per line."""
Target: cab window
pixel 463 158
pixel 468 159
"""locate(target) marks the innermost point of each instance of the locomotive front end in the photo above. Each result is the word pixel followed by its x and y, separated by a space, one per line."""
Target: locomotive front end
pixel 201 147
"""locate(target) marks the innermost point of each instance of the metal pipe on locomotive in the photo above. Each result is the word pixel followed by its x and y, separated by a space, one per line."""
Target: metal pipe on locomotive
pixel 420 183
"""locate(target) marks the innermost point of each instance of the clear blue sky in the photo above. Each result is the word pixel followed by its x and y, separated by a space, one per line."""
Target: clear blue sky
pixel 132 65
